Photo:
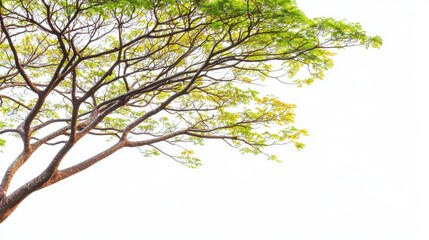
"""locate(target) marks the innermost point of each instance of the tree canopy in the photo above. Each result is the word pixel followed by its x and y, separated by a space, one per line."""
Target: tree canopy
pixel 154 73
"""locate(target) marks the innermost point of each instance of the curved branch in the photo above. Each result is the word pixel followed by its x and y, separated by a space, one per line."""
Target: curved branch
pixel 16 57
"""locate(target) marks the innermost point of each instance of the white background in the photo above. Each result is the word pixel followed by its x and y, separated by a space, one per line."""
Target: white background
pixel 361 176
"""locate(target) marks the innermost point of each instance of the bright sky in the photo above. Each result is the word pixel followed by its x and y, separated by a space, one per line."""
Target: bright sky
pixel 358 178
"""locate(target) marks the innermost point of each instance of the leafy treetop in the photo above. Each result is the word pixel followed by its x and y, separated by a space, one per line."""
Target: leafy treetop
pixel 146 73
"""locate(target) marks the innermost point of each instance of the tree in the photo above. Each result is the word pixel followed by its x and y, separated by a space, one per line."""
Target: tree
pixel 157 75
